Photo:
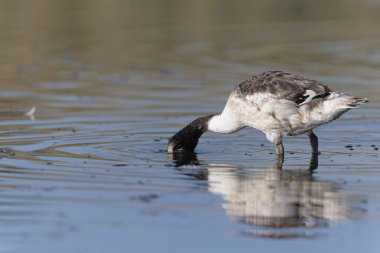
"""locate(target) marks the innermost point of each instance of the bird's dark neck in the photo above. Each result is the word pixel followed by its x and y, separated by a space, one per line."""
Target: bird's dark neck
pixel 191 133
pixel 199 126
pixel 195 129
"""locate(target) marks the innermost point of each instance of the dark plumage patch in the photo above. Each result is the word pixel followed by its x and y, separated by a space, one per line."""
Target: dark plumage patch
pixel 322 95
pixel 301 99
pixel 283 85
pixel 187 138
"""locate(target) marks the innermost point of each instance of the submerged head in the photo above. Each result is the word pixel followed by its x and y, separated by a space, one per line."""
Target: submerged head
pixel 186 140
pixel 182 142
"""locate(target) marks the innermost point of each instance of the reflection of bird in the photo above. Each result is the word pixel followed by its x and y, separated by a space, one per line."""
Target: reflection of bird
pixel 180 159
pixel 275 102
pixel 274 198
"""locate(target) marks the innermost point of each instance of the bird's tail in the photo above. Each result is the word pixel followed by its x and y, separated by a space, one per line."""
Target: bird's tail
pixel 355 102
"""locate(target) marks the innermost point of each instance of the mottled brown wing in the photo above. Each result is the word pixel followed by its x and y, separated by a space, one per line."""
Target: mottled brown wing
pixel 283 86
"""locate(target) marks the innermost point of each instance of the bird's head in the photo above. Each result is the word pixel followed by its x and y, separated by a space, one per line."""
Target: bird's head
pixel 186 140
pixel 183 141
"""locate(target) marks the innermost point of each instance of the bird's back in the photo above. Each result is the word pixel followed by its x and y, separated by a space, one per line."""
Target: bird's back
pixel 281 85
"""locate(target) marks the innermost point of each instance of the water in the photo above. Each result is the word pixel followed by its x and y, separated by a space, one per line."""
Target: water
pixel 112 81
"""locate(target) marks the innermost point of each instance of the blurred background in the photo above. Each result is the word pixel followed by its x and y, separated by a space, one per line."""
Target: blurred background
pixel 98 45
pixel 113 80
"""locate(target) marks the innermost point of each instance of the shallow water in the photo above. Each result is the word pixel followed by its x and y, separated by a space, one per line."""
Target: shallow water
pixel 112 81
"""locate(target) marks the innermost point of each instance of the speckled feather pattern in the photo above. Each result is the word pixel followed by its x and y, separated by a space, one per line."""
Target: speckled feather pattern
pixel 281 85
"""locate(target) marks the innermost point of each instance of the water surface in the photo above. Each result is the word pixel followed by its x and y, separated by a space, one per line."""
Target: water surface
pixel 112 81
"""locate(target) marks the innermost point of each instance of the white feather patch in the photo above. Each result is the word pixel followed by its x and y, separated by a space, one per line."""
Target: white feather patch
pixel 310 94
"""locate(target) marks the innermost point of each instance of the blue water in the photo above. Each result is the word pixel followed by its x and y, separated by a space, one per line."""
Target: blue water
pixel 112 82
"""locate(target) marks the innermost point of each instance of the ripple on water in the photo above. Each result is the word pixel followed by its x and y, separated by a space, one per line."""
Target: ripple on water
pixel 91 172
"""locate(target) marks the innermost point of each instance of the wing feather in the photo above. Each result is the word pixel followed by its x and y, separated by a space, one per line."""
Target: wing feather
pixel 283 85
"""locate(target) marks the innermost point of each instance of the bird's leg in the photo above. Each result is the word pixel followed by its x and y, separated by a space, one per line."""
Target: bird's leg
pixel 314 143
pixel 276 139
pixel 278 163
pixel 313 162
pixel 314 147
pixel 280 151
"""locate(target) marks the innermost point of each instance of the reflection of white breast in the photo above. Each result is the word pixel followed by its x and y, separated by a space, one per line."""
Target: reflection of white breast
pixel 223 182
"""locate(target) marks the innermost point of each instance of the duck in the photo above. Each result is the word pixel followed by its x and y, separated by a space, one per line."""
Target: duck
pixel 277 103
